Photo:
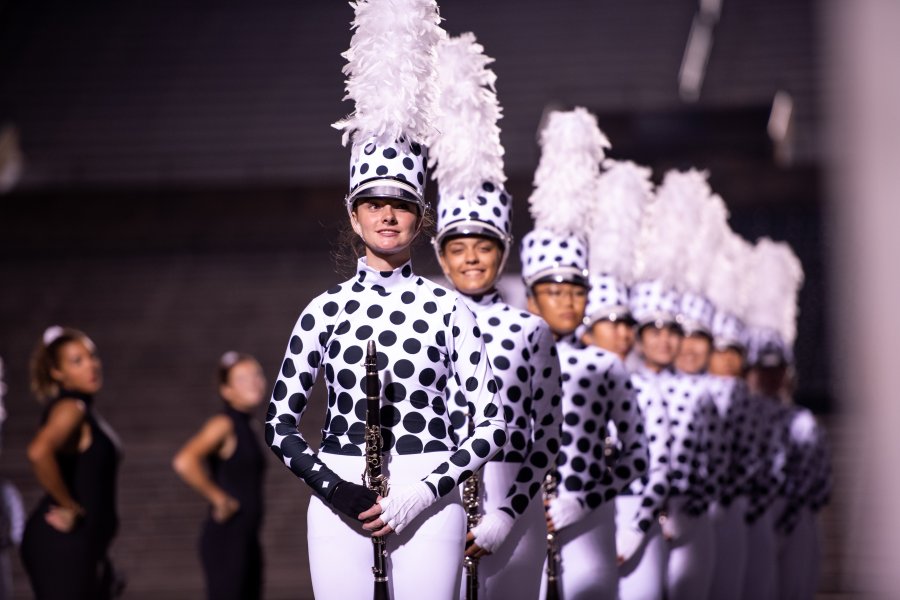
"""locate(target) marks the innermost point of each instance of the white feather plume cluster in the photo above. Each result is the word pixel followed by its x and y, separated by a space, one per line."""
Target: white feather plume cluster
pixel 624 191
pixel 390 70
pixel 466 150
pixel 572 148
pixel 777 276
pixel 704 233
pixel 726 284
pixel 665 231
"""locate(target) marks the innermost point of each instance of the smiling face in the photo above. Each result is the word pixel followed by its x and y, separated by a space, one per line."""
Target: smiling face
pixel 78 367
pixel 471 263
pixel 727 363
pixel 387 227
pixel 561 305
pixel 659 345
pixel 693 356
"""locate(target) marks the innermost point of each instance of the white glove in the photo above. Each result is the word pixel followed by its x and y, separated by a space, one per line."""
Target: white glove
pixel 628 541
pixel 491 532
pixel 565 511
pixel 404 504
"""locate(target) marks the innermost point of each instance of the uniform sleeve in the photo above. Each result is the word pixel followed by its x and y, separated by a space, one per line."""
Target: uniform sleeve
pixel 768 481
pixel 290 396
pixel 633 459
pixel 546 416
pixel 706 472
pixel 473 377
pixel 739 445
pixel 656 482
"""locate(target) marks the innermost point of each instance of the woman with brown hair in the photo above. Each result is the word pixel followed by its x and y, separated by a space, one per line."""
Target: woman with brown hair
pixel 75 457
pixel 224 463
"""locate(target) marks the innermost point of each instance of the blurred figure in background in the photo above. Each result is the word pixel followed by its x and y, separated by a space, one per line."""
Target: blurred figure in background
pixel 224 463
pixel 12 515
pixel 75 456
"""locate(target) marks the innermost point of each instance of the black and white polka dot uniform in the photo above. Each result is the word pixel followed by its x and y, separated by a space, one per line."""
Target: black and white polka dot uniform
pixel 694 430
pixel 597 390
pixel 426 337
pixel 768 423
pixel 804 489
pixel 638 509
pixel 737 463
pixel 526 366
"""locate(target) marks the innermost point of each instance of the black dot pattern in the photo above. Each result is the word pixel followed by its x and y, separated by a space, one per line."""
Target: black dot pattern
pixel 606 296
pixel 770 443
pixel 526 367
pixel 653 486
pixel 807 469
pixel 597 391
pixel 417 362
pixel 728 330
pixel 490 204
pixel 693 433
pixel 696 312
pixel 735 457
pixel 401 160
pixel 651 301
pixel 544 252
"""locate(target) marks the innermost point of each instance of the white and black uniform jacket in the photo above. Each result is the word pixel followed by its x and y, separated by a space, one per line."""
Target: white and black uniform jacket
pixel 426 338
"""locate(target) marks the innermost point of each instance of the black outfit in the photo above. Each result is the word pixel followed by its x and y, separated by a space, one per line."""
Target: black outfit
pixel 230 551
pixel 75 565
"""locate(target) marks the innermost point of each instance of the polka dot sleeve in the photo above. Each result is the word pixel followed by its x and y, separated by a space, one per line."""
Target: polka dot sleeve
pixel 290 397
pixel 544 388
pixel 472 376
pixel 738 461
pixel 596 391
pixel 771 445
pixel 653 487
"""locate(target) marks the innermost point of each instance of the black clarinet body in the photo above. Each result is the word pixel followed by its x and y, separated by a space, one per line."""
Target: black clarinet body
pixel 553 556
pixel 373 478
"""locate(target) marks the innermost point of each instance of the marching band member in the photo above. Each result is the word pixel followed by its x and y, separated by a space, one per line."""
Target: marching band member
pixel 427 339
pixel 472 243
pixel 596 387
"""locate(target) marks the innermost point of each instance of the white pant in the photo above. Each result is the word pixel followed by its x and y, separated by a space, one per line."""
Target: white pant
pixel 798 560
pixel 761 572
pixel 514 570
pixel 691 554
pixel 730 534
pixel 424 560
pixel 643 576
pixel 587 569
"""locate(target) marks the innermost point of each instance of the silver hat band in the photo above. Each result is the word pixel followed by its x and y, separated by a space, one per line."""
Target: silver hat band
pixel 385 188
pixel 613 314
pixel 558 274
pixel 468 227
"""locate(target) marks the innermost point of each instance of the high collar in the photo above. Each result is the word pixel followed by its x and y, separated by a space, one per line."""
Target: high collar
pixel 383 282
pixel 482 301
pixel 571 340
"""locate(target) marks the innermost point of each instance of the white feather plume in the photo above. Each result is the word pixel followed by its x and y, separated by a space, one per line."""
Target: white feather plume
pixel 390 70
pixel 664 232
pixel 625 190
pixel 726 284
pixel 777 276
pixel 467 149
pixel 704 234
pixel 572 148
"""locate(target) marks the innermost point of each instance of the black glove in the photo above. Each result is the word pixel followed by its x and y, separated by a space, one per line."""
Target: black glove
pixel 352 499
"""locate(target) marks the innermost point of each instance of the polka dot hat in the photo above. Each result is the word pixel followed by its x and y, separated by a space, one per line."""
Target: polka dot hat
pixel 388 170
pixel 766 348
pixel 547 256
pixel 695 314
pixel 607 299
pixel 728 331
pixel 653 302
pixel 486 212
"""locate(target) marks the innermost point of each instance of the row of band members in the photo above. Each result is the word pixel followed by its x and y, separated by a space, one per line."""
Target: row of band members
pixel 674 478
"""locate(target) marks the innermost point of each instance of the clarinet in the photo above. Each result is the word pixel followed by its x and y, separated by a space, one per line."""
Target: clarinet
pixel 372 476
pixel 553 556
pixel 471 495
